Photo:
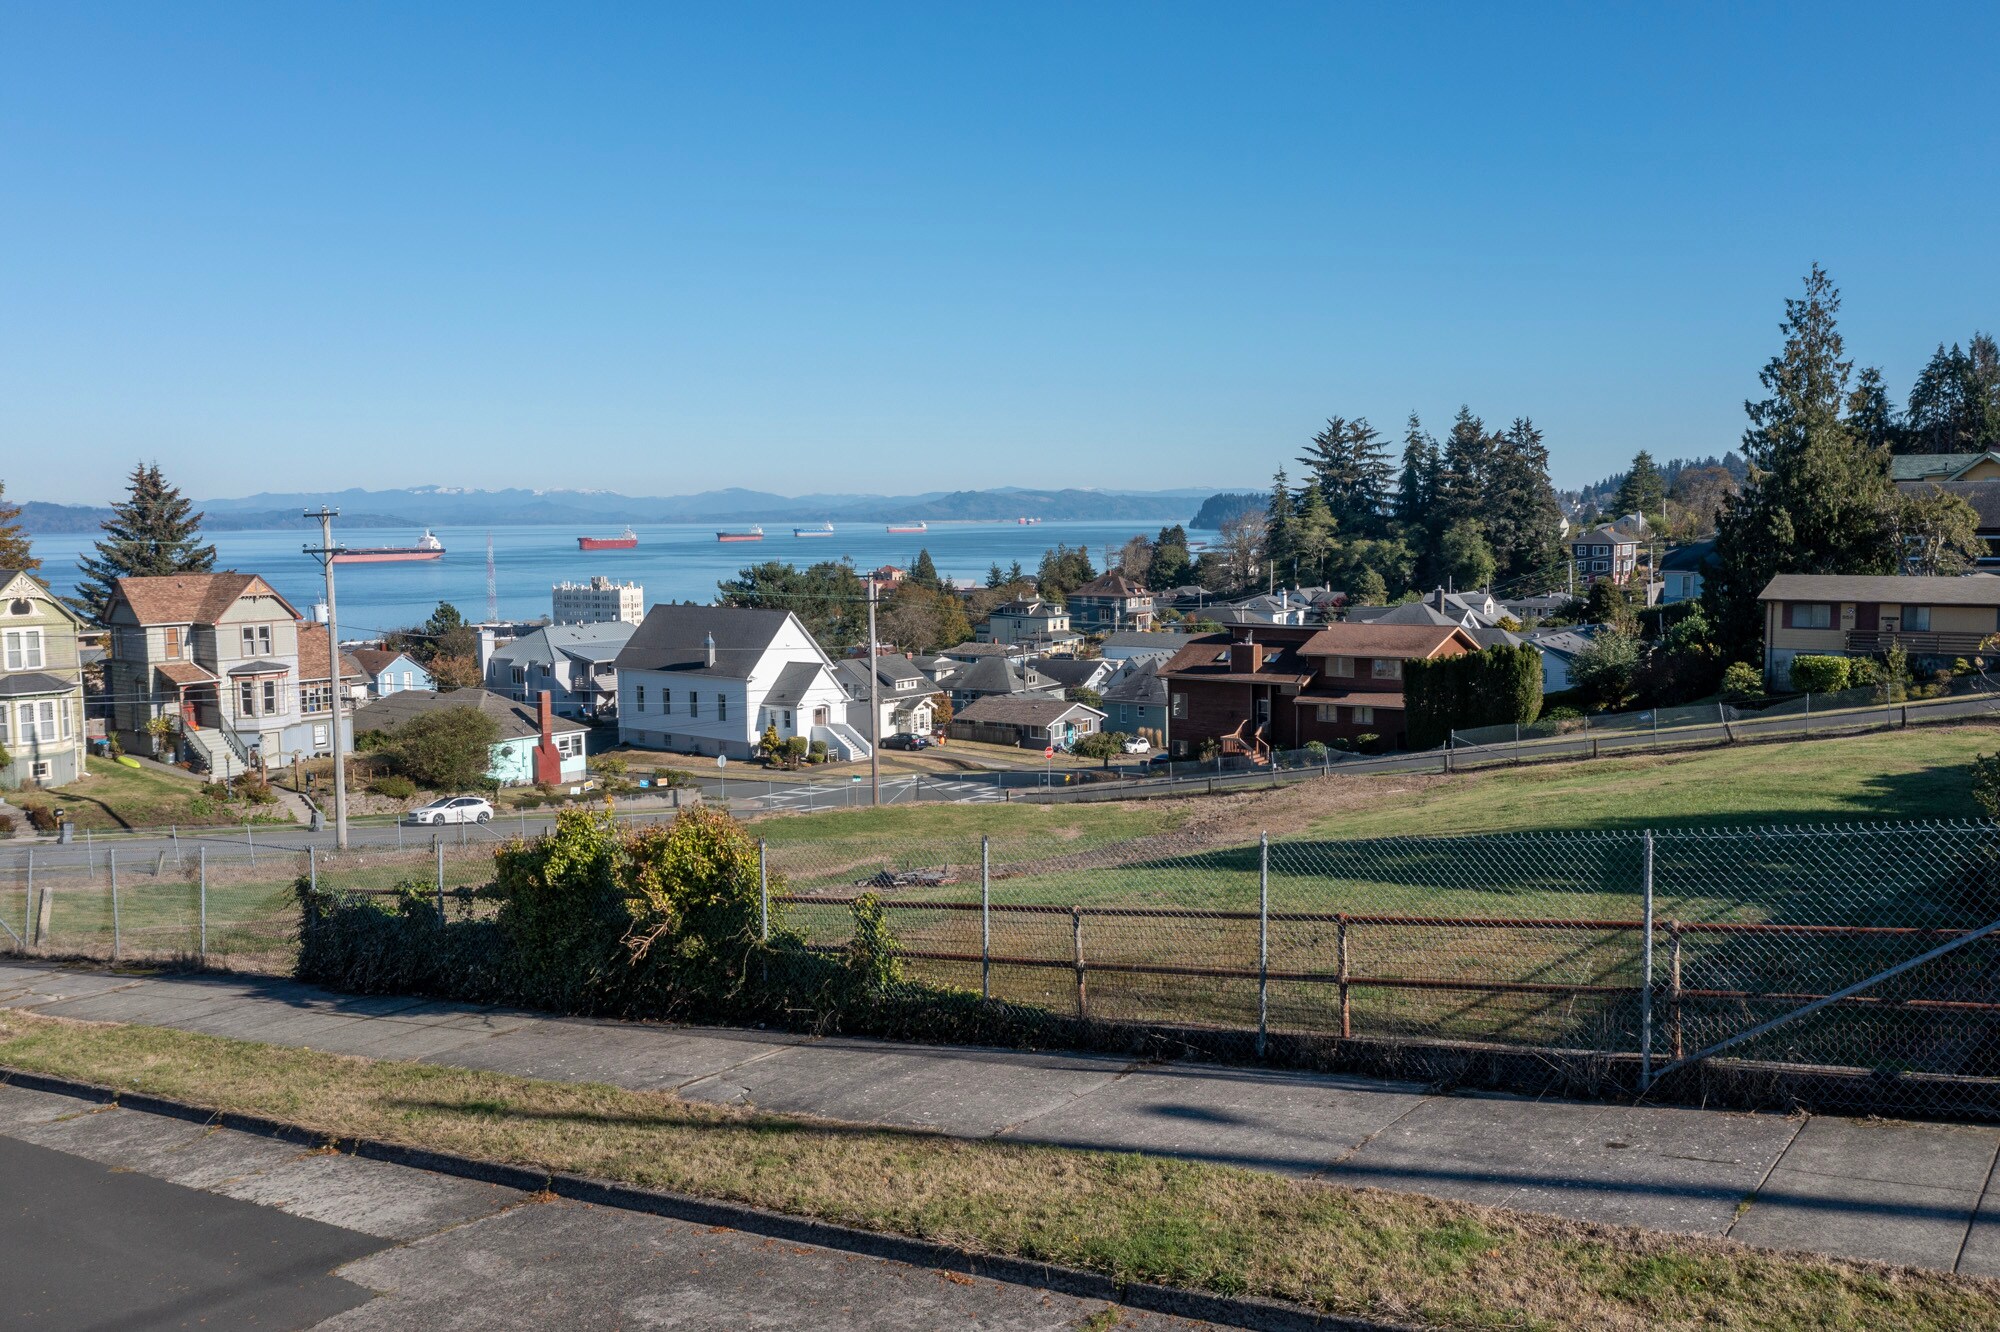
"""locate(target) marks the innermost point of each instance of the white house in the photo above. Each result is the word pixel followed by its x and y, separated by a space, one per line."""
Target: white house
pixel 907 696
pixel 710 679
pixel 1558 648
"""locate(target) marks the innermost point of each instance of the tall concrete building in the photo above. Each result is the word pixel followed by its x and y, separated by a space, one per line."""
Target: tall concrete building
pixel 599 601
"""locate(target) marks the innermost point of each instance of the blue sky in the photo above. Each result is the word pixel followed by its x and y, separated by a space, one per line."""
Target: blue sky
pixel 837 247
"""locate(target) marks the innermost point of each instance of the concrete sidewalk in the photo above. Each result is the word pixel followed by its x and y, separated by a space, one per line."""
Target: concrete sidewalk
pixel 1921 1194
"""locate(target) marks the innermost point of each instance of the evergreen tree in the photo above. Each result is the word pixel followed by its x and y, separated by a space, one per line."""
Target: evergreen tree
pixel 1416 485
pixel 1350 467
pixel 1955 404
pixel 924 572
pixel 1643 490
pixel 995 578
pixel 1522 516
pixel 1819 498
pixel 14 551
pixel 1466 556
pixel 1171 565
pixel 1313 533
pixel 1280 540
pixel 150 532
pixel 1870 413
pixel 1460 490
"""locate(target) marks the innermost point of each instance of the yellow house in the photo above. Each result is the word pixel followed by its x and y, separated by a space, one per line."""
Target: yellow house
pixel 1861 615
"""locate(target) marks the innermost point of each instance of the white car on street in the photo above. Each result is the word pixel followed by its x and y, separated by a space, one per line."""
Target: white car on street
pixel 452 809
pixel 1138 744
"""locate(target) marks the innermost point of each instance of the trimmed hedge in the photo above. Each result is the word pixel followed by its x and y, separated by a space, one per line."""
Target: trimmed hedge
pixel 1497 687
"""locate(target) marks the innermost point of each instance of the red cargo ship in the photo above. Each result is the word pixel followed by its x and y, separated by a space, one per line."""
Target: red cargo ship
pixel 625 542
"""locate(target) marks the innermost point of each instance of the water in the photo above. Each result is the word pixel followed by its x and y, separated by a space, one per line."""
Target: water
pixel 673 562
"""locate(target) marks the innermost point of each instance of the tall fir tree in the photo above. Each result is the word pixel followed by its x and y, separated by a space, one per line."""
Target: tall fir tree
pixel 1349 464
pixel 1644 490
pixel 1462 468
pixel 152 531
pixel 1955 403
pixel 1416 484
pixel 1818 500
pixel 1280 538
pixel 1522 515
pixel 1314 530
pixel 924 572
pixel 14 550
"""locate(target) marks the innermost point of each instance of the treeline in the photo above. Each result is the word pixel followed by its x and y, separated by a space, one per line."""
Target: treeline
pixel 1471 511
pixel 919 614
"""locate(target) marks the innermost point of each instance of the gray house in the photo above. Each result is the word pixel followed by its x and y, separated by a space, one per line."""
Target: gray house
pixel 1136 701
pixel 576 663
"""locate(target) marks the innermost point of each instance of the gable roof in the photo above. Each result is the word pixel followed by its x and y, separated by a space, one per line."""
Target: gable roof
pixel 1021 710
pixel 1384 640
pixel 794 681
pixel 1409 612
pixel 374 661
pixel 974 651
pixel 193 598
pixel 1972 590
pixel 597 641
pixel 673 637
pixel 1073 672
pixel 1112 584
pixel 1606 534
pixel 1689 557
pixel 1922 466
pixel 1141 684
pixel 1207 658
pixel 1164 641
pixel 9 575
pixel 517 721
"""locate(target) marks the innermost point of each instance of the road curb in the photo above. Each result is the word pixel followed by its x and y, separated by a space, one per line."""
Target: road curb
pixel 1231 1310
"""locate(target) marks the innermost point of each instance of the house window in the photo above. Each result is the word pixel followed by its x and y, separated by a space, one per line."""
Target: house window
pixel 1343 666
pixel 24 649
pixel 1388 668
pixel 1364 716
pixel 5 713
pixel 409 679
pixel 246 699
pixel 788 719
pixel 1811 615
pixel 270 698
pixel 315 697
pixel 638 698
pixel 722 707
pixel 694 704
pixel 39 722
pixel 1917 619
pixel 1180 707
pixel 570 745
pixel 319 737
pixel 666 700
pixel 1327 712
pixel 170 639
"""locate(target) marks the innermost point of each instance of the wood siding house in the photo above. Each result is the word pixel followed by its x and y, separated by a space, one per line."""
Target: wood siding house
pixel 1864 615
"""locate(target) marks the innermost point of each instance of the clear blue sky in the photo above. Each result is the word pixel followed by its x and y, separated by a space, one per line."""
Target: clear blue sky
pixel 843 247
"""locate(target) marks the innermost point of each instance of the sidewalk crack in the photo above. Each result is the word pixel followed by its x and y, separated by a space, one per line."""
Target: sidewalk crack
pixel 1750 1199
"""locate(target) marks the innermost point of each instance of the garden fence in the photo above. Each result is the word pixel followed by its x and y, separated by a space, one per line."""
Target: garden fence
pixel 1869 953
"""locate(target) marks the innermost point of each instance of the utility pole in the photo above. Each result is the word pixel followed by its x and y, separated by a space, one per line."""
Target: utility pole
pixel 324 553
pixel 874 707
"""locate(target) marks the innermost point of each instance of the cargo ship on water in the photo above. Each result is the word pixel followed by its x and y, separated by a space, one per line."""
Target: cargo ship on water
pixel 1027 522
pixel 627 541
pixel 918 526
pixel 823 530
pixel 428 547
pixel 744 534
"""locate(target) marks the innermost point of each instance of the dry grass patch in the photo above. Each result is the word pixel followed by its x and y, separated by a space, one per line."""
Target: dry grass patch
pixel 1354 1251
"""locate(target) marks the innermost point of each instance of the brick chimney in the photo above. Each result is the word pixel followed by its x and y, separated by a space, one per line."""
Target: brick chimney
pixel 1246 656
pixel 548 763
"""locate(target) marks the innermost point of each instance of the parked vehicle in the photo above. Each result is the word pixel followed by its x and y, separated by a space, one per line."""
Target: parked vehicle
pixel 452 809
pixel 1138 744
pixel 907 742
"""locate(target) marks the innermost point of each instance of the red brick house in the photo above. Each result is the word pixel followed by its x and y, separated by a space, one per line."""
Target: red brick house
pixel 1263 687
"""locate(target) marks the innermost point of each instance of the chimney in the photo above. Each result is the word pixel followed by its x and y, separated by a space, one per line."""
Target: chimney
pixel 1246 656
pixel 708 648
pixel 1437 598
pixel 547 762
pixel 486 642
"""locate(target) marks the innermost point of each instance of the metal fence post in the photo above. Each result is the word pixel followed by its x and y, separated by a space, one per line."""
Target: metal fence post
pixel 204 905
pixel 1076 960
pixel 1263 940
pixel 1809 716
pixel 438 842
pixel 111 863
pixel 985 918
pixel 89 855
pixel 174 830
pixel 1346 997
pixel 312 867
pixel 29 915
pixel 1646 984
pixel 252 841
pixel 763 894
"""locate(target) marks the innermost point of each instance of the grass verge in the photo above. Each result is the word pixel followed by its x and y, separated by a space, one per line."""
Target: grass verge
pixel 1213 1228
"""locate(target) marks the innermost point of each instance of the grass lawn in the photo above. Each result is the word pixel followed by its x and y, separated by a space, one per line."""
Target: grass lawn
pixel 1353 1251
pixel 112 795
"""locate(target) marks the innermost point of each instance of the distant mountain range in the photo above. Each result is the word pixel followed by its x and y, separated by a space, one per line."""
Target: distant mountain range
pixel 445 506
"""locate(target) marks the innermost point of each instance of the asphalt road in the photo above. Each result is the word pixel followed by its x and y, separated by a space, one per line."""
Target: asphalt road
pixel 114 1219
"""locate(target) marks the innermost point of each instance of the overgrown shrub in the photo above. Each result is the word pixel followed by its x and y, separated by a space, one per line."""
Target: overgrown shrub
pixel 393 787
pixel 1819 674
pixel 42 818
pixel 7 825
pixel 1742 682
pixel 1497 687
pixel 1986 783
pixel 652 922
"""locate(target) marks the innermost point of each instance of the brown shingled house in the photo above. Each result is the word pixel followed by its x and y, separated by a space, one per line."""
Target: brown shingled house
pixel 1261 688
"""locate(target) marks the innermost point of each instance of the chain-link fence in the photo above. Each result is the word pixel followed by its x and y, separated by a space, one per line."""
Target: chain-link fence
pixel 1858 963
pixel 1851 959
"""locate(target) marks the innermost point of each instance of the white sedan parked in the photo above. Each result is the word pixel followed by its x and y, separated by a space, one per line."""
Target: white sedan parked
pixel 1138 744
pixel 452 809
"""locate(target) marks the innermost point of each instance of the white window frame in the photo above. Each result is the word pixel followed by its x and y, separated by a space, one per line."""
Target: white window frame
pixel 320 734
pixel 24 650
pixel 272 700
pixel 246 698
pixel 6 723
pixel 638 698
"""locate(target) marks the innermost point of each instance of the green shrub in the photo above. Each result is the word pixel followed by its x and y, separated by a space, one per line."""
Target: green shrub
pixel 1742 682
pixel 393 787
pixel 1315 751
pixel 816 752
pixel 1863 673
pixel 216 792
pixel 1986 783
pixel 1818 674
